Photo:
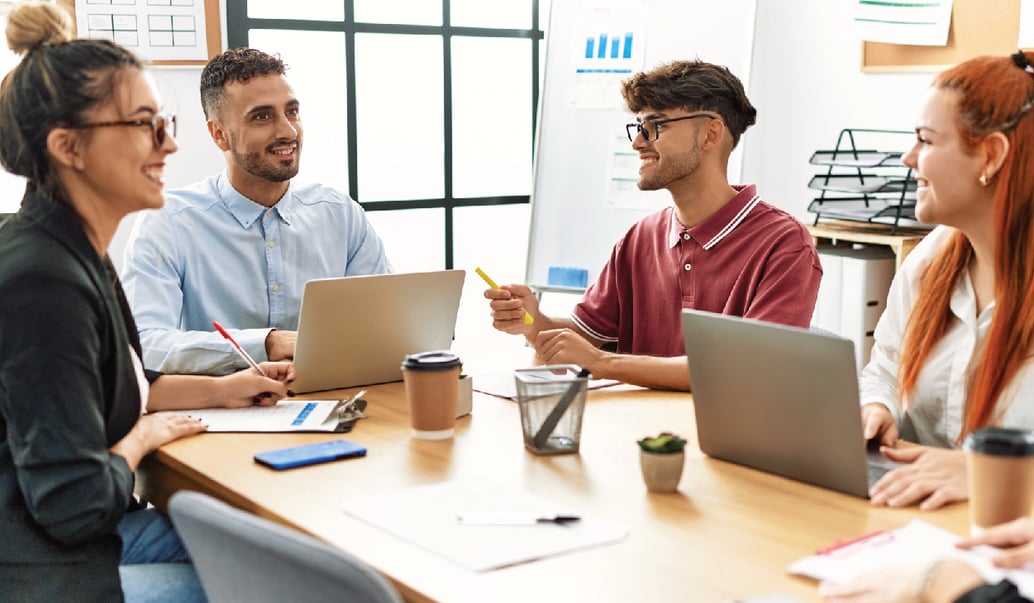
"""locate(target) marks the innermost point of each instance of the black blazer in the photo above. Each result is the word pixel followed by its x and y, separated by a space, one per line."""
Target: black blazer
pixel 68 392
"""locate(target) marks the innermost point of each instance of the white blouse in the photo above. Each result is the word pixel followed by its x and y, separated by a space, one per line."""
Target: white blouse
pixel 935 412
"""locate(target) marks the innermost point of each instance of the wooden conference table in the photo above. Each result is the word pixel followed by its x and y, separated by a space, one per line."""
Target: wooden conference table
pixel 728 533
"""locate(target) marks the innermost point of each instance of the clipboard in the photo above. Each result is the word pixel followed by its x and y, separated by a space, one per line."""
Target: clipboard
pixel 333 416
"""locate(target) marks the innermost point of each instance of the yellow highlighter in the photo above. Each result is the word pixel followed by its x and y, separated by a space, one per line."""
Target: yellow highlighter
pixel 527 317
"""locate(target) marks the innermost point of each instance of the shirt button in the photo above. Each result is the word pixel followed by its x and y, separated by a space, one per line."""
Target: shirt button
pixel 275 288
pixel 269 213
pixel 688 267
pixel 686 236
pixel 272 244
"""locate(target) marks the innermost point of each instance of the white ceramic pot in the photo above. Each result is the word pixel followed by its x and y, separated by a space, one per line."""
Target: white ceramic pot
pixel 661 472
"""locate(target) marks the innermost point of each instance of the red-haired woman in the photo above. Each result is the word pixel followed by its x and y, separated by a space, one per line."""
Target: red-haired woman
pixel 953 349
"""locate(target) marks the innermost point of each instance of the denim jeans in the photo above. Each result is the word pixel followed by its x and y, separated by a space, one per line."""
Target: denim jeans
pixel 155 565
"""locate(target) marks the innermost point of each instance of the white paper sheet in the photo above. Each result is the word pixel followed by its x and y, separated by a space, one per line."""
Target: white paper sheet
pixel 286 415
pixel 917 544
pixel 155 31
pixel 609 47
pixel 427 516
pixel 921 24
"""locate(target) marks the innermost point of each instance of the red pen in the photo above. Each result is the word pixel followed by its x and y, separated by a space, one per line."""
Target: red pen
pixel 240 350
pixel 851 545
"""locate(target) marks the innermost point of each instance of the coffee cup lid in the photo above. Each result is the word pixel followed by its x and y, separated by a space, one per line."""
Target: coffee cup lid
pixel 435 360
pixel 1001 441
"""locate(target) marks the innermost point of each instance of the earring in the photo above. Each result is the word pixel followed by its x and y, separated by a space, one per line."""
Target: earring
pixel 983 179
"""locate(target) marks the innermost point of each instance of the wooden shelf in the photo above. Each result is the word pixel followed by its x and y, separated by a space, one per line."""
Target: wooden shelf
pixel 829 232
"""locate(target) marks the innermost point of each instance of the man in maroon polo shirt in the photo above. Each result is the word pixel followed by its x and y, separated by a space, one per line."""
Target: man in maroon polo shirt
pixel 719 248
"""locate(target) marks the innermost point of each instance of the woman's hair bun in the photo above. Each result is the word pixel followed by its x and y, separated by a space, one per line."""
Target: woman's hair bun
pixel 33 24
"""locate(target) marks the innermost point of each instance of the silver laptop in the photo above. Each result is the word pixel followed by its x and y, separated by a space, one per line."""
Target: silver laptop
pixel 356 330
pixel 779 399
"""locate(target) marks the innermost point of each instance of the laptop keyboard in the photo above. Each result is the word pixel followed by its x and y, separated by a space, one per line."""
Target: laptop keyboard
pixel 877 470
pixel 879 465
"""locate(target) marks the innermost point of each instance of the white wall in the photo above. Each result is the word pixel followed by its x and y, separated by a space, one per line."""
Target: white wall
pixel 805 81
pixel 807 84
pixel 197 157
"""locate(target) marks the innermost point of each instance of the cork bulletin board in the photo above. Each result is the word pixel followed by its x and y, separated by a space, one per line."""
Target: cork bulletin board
pixel 977 27
pixel 207 42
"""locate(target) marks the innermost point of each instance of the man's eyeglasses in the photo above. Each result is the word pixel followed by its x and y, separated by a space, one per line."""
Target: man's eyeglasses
pixel 161 124
pixel 651 128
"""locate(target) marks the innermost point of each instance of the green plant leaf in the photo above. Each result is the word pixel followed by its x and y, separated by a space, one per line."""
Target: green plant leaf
pixel 665 443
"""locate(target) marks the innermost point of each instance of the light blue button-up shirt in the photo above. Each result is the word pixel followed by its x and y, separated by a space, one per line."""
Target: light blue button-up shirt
pixel 213 254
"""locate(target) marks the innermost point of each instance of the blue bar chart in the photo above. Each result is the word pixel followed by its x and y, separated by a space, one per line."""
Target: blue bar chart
pixel 620 46
pixel 608 47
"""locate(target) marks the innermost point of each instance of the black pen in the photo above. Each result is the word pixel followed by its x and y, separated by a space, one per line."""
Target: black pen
pixel 514 518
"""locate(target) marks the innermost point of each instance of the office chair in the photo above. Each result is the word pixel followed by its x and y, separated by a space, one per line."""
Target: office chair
pixel 242 557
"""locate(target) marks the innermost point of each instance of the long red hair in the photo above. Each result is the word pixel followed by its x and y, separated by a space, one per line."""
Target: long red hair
pixel 994 95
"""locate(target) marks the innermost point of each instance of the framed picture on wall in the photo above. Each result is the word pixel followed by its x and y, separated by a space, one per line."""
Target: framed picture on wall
pixel 162 32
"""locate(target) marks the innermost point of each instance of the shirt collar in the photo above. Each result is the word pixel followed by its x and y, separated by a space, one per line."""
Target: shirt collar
pixel 247 211
pixel 715 228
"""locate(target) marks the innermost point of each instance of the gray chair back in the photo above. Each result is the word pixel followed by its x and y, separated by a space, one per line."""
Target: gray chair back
pixel 242 557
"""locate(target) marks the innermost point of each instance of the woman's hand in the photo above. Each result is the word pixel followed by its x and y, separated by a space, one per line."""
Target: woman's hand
pixel 1015 537
pixel 942 582
pixel 248 388
pixel 878 422
pixel 892 585
pixel 933 478
pixel 152 431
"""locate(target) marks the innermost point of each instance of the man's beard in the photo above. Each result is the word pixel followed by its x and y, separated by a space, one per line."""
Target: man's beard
pixel 253 164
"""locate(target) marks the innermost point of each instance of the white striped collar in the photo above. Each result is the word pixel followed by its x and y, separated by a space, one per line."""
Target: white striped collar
pixel 721 223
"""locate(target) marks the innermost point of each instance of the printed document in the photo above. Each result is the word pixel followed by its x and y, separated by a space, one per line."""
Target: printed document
pixel 285 415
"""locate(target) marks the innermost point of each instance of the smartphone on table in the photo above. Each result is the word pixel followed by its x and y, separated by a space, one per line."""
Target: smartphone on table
pixel 310 454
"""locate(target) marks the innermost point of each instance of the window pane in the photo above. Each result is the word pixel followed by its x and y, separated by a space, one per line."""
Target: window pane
pixel 399 110
pixel 407 12
pixel 413 238
pixel 499 249
pixel 312 57
pixel 12 187
pixel 492 114
pixel 507 14
pixel 309 10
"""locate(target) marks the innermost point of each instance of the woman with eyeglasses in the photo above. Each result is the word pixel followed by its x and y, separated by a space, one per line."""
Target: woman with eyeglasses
pixel 81 121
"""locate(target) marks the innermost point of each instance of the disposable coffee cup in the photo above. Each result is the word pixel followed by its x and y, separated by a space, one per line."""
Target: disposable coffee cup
pixel 431 382
pixel 1000 464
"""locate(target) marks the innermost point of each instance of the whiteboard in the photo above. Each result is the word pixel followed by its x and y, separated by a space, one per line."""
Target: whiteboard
pixel 582 201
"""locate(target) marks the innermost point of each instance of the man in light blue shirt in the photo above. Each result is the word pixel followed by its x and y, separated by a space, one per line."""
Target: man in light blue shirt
pixel 238 247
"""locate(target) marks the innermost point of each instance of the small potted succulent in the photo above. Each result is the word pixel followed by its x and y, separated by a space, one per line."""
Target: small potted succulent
pixel 661 459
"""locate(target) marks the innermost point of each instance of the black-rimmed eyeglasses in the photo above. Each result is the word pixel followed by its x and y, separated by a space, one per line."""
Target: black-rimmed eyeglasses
pixel 651 128
pixel 161 124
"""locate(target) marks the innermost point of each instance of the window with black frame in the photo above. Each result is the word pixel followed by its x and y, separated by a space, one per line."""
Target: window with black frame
pixel 422 110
